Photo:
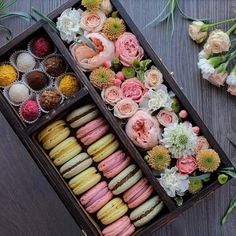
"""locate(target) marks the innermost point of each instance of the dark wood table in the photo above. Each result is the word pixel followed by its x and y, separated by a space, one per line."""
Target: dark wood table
pixel 28 204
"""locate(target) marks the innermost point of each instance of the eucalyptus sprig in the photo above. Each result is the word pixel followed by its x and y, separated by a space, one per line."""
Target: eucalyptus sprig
pixel 53 26
pixel 4 5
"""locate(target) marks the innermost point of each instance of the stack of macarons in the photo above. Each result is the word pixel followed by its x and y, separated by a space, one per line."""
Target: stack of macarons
pixel 97 170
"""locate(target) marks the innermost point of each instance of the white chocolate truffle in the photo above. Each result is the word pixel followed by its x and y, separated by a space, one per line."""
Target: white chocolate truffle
pixel 25 62
pixel 18 93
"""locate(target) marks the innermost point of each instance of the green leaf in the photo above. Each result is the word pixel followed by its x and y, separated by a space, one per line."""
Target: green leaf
pixel 88 42
pixel 4 5
pixel 199 177
pixel 23 15
pixel 231 207
pixel 7 31
pixel 140 75
pixel 144 64
pixel 179 200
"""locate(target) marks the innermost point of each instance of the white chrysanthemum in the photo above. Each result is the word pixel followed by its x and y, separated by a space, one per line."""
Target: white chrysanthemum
pixel 206 68
pixel 203 55
pixel 174 182
pixel 231 80
pixel 156 99
pixel 69 24
pixel 179 139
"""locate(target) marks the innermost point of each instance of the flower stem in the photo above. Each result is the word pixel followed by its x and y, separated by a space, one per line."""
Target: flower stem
pixel 231 29
pixel 207 26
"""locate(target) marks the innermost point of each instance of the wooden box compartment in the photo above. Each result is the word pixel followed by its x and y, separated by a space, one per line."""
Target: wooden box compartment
pixel 27 132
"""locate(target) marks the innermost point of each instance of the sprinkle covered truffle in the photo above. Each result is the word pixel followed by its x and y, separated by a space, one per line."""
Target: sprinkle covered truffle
pixel 8 75
pixel 68 85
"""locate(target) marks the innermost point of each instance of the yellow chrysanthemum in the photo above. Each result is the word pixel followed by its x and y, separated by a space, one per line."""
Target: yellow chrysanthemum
pixel 159 158
pixel 208 160
pixel 102 78
pixel 195 186
pixel 113 28
pixel 91 5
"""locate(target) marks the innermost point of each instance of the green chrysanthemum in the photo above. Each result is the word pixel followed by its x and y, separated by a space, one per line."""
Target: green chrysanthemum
pixel 113 28
pixel 208 160
pixel 195 186
pixel 128 72
pixel 102 78
pixel 91 5
pixel 159 158
pixel 175 105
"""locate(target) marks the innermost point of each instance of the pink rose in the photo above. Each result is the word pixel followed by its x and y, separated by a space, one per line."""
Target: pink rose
pixel 88 59
pixel 92 21
pixel 167 118
pixel 218 79
pixel 128 49
pixel 125 108
pixel 134 89
pixel 153 78
pixel 186 165
pixel 111 95
pixel 202 144
pixel 232 89
pixel 143 130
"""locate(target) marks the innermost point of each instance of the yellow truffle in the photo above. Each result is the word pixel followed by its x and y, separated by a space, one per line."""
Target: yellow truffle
pixel 68 85
pixel 8 74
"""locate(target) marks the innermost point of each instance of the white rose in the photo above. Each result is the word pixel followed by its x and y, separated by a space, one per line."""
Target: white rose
pixel 196 33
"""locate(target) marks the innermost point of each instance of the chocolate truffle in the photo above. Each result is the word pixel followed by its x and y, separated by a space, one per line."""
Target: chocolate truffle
pixel 18 93
pixel 30 110
pixel 37 80
pixel 25 62
pixel 55 66
pixel 49 99
pixel 42 47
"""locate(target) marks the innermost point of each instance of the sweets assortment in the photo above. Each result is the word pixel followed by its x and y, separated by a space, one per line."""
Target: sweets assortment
pixel 90 159
pixel 31 77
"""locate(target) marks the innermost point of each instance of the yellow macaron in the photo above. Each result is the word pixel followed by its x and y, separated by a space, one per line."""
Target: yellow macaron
pixel 85 180
pixel 53 134
pixel 103 147
pixel 112 211
pixel 64 151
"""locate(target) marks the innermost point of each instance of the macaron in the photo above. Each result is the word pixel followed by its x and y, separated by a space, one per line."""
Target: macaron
pixel 114 164
pixel 122 227
pixel 138 194
pixel 125 180
pixel 82 115
pixel 112 211
pixel 53 134
pixel 147 211
pixel 92 131
pixel 96 197
pixel 103 148
pixel 84 180
pixel 64 151
pixel 76 165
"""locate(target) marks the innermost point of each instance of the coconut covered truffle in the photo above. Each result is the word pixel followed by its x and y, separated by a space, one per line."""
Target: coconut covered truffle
pixel 68 85
pixel 55 66
pixel 30 110
pixel 41 47
pixel 25 62
pixel 8 75
pixel 18 93
pixel 37 80
pixel 49 99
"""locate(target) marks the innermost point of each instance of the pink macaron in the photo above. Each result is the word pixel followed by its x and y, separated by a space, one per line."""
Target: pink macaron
pixel 138 194
pixel 114 164
pixel 121 227
pixel 92 131
pixel 96 197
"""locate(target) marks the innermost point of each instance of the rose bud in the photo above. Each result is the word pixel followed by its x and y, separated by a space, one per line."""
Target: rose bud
pixel 183 114
pixel 107 64
pixel 118 82
pixel 120 76
pixel 196 129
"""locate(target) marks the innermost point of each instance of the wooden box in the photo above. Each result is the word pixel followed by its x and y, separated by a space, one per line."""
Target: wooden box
pixel 27 132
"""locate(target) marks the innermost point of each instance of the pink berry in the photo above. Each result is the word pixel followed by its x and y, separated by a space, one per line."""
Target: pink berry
pixel 183 114
pixel 196 129
pixel 118 82
pixel 120 76
pixel 107 64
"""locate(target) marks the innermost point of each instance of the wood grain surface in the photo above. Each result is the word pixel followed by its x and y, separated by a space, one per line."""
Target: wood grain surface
pixel 29 206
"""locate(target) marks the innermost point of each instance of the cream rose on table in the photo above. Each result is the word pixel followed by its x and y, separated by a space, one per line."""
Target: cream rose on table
pixel 197 32
pixel 153 78
pixel 125 108
pixel 111 95
pixel 92 21
pixel 128 49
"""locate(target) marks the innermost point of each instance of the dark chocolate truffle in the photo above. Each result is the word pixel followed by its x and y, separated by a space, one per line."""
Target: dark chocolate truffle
pixel 37 80
pixel 55 66
pixel 49 99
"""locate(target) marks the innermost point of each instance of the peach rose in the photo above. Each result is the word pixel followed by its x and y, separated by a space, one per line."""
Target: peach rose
pixel 87 58
pixel 128 49
pixel 202 144
pixel 143 130
pixel 196 33
pixel 134 89
pixel 106 7
pixel 166 118
pixel 92 21
pixel 111 95
pixel 232 90
pixel 218 79
pixel 125 108
pixel 217 42
pixel 186 165
pixel 153 78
